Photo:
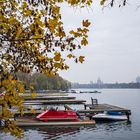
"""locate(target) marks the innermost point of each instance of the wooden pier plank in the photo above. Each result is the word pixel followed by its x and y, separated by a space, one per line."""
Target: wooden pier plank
pixel 32 122
pixel 97 109
pixel 49 98
pixel 55 102
pixel 104 107
pixel 44 94
pixel 101 110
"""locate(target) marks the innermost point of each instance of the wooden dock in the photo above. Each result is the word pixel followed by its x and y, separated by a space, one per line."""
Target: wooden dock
pixel 102 107
pixel 32 122
pixel 49 98
pixel 44 94
pixel 97 109
pixel 89 109
pixel 48 102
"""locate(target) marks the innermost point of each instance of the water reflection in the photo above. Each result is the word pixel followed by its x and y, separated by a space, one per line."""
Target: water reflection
pixel 114 126
pixel 73 132
pixel 55 133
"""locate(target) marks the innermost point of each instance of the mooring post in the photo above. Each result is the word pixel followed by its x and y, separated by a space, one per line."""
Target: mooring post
pixel 85 106
pixel 127 114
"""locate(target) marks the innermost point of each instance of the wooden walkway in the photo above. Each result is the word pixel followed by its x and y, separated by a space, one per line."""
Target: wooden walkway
pixel 103 107
pixel 28 122
pixel 44 94
pixel 97 109
pixel 57 102
pixel 50 98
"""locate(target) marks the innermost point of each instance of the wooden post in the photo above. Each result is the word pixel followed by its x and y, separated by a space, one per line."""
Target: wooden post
pixel 127 114
pixel 85 106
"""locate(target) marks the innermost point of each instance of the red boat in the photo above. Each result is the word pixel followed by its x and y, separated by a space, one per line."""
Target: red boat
pixel 58 115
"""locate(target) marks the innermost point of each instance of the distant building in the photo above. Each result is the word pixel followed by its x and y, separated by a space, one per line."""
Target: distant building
pixel 138 79
pixel 99 83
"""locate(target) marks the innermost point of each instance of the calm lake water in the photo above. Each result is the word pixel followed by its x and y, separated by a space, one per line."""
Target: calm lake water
pixel 128 98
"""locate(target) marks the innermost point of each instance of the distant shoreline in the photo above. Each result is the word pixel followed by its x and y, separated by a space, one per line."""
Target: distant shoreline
pixel 108 86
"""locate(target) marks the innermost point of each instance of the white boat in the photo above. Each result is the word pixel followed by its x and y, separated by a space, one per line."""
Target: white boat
pixel 110 116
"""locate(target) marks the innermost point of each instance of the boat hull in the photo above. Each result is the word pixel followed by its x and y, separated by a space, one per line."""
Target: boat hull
pixel 106 117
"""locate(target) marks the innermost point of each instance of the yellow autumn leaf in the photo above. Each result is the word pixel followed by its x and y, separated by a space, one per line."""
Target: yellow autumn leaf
pixel 33 111
pixel 71 32
pixel 84 41
pixel 76 34
pixel 18 32
pixel 28 12
pixel 85 30
pixel 70 56
pixel 86 23
pixel 24 5
pixel 102 2
pixel 57 57
pixel 39 22
pixel 81 59
pixel 31 87
pixel 66 67
pixel 50 73
pixel 58 65
pixel 11 20
pixel 33 95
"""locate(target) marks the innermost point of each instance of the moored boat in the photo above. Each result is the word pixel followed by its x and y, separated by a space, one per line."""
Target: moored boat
pixel 95 91
pixel 110 116
pixel 58 115
pixel 55 118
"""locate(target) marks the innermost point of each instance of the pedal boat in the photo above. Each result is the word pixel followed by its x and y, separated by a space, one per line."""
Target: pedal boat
pixel 58 115
pixel 55 118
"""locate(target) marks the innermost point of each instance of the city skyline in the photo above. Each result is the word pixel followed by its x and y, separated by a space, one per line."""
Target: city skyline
pixel 95 81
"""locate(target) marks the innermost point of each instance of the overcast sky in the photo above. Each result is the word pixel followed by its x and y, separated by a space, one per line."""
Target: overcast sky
pixel 113 53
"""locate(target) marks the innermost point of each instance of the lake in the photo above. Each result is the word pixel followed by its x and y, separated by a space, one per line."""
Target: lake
pixel 127 98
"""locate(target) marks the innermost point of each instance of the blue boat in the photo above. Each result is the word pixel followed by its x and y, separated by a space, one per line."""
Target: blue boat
pixel 110 116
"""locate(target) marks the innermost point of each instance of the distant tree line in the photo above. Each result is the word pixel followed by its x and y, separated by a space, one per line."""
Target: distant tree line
pixel 42 82
pixel 107 85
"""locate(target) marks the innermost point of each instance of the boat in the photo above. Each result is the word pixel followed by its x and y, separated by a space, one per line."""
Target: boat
pixel 54 118
pixel 110 116
pixel 57 115
pixel 72 91
pixel 95 91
